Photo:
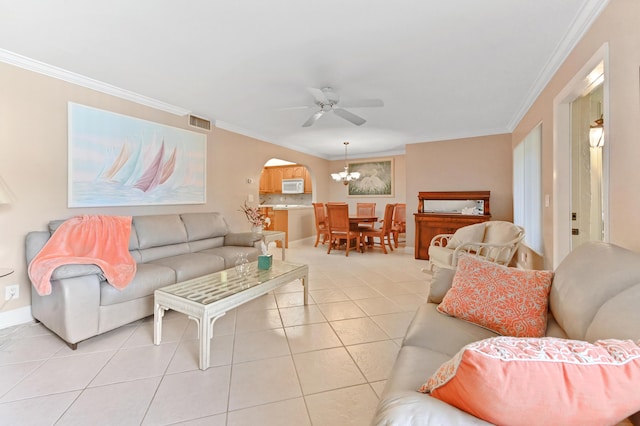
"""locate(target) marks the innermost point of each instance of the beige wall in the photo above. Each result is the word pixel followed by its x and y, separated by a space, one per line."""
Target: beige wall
pixel 618 25
pixel 338 191
pixel 471 164
pixel 33 163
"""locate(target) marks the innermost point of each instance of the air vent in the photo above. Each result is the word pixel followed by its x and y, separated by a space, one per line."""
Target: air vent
pixel 201 123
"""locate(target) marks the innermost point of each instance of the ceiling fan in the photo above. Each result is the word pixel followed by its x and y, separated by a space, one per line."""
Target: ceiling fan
pixel 328 100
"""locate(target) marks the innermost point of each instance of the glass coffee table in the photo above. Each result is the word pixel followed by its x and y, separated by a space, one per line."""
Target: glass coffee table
pixel 207 298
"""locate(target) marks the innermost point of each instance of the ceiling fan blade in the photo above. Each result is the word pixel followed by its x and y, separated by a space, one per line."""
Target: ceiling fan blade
pixel 318 95
pixel 363 103
pixel 313 119
pixel 349 116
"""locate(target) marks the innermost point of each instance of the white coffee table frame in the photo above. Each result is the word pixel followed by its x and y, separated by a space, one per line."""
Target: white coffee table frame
pixel 207 298
pixel 273 236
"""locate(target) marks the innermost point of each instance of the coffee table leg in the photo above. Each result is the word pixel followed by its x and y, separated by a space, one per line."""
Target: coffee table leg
pixel 205 330
pixel 158 313
pixel 305 285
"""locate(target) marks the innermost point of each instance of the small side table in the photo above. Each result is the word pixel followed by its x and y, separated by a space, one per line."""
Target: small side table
pixel 273 236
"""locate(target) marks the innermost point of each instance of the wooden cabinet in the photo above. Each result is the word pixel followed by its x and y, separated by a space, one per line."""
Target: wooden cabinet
pixel 308 187
pixel 430 223
pixel 271 178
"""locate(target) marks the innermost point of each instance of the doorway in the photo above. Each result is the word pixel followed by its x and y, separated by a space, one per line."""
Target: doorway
pixel 587 185
pixel 582 190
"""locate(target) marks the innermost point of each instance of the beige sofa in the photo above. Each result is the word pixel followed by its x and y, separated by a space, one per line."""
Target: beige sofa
pixel 167 249
pixel 595 294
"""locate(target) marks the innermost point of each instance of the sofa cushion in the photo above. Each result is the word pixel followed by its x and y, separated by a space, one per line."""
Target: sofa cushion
pixel 441 281
pixel 515 381
pixel 148 278
pixel 244 239
pixel 471 233
pixel 192 265
pixel 506 300
pixel 230 254
pixel 500 232
pixel 204 225
pixel 400 404
pixel 441 255
pixel 618 318
pixel 159 230
pixel 431 330
pixel 592 274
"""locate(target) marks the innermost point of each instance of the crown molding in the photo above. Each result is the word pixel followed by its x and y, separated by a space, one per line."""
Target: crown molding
pixel 585 17
pixel 80 80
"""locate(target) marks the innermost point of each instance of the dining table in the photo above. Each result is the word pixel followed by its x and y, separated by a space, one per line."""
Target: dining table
pixel 357 219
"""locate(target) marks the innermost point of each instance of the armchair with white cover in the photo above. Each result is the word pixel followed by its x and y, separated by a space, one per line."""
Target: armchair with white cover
pixel 496 241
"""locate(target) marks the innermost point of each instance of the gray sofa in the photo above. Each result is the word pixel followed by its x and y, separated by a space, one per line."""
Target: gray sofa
pixel 167 249
pixel 595 294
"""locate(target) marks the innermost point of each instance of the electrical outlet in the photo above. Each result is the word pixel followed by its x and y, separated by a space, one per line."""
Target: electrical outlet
pixel 11 292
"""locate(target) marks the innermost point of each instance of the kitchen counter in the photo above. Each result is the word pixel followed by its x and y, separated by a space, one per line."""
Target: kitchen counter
pixel 297 220
pixel 286 206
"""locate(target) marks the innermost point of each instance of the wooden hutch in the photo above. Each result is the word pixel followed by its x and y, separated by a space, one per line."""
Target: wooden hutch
pixel 431 220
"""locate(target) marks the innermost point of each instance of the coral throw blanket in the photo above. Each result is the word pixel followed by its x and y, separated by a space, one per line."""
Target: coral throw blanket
pixel 87 239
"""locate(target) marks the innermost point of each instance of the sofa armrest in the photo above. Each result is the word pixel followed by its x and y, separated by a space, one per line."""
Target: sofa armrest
pixel 76 270
pixel 243 239
pixel 500 253
pixel 72 310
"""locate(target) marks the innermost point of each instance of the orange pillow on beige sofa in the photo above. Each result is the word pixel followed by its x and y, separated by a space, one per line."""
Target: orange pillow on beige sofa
pixel 509 301
pixel 516 381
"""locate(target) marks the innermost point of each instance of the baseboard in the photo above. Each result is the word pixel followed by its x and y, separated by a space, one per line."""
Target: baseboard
pixel 15 317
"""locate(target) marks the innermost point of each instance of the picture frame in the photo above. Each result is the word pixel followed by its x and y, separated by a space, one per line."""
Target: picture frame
pixel 118 160
pixel 376 178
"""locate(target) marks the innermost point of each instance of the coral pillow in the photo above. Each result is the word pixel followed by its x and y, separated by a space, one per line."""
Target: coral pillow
pixel 515 381
pixel 509 301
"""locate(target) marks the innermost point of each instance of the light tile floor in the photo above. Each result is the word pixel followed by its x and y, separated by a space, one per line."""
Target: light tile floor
pixel 274 361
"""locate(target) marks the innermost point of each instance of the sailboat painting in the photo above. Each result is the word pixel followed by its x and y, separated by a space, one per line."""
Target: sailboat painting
pixel 117 160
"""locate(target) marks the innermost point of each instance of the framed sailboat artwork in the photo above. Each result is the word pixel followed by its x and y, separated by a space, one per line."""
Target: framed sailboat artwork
pixel 117 160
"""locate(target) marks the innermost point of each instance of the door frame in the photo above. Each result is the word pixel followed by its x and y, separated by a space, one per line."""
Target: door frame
pixel 577 87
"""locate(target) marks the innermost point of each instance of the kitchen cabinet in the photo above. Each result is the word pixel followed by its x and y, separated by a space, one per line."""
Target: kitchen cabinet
pixel 271 178
pixel 308 187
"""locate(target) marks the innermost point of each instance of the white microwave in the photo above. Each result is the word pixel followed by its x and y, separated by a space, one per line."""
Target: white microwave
pixel 292 186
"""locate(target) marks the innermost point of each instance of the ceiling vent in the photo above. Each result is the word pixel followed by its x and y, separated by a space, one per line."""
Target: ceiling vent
pixel 200 123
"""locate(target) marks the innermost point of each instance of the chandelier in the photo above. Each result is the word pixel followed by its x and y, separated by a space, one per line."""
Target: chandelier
pixel 344 176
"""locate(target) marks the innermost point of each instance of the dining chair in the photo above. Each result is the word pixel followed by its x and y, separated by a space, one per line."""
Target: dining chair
pixel 339 229
pixel 365 209
pixel 399 223
pixel 322 228
pixel 383 232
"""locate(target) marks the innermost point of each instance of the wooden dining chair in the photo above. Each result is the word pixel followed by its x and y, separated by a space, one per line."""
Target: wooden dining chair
pixel 383 233
pixel 365 209
pixel 322 228
pixel 399 225
pixel 339 229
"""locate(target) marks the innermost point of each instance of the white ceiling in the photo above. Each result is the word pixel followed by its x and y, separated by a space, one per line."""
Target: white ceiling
pixel 444 69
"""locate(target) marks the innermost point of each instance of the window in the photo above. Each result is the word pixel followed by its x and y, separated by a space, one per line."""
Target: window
pixel 527 188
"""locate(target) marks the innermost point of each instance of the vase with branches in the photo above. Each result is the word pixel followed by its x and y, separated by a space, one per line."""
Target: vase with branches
pixel 254 216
